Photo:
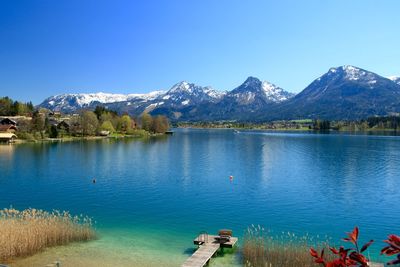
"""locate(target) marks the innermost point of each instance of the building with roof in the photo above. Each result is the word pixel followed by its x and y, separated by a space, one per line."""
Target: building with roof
pixel 8 128
pixel 8 121
pixel 7 137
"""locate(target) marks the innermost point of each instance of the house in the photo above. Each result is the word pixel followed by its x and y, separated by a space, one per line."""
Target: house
pixel 8 128
pixel 55 114
pixel 63 125
pixel 104 133
pixel 7 137
pixel 52 122
pixel 8 121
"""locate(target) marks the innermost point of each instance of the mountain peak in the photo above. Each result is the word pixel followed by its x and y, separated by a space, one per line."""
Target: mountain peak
pixel 253 89
pixel 344 68
pixel 182 86
pixel 351 73
pixel 351 88
pixel 251 80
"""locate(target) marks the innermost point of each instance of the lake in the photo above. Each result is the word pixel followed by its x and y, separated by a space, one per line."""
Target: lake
pixel 152 197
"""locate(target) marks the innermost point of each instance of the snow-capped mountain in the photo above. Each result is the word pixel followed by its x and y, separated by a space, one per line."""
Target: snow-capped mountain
pixel 246 102
pixel 345 92
pixel 73 102
pixel 184 93
pixel 253 89
pixel 275 93
pixel 180 95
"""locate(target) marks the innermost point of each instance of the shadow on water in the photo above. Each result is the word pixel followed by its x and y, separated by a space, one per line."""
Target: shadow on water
pixel 189 251
pixel 220 252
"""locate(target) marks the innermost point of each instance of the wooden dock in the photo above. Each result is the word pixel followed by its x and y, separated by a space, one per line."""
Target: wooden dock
pixel 208 246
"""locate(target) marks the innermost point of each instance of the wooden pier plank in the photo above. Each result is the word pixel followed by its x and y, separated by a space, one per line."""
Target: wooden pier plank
pixel 211 239
pixel 208 246
pixel 202 255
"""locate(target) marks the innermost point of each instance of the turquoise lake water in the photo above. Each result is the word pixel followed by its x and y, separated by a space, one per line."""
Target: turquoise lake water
pixel 153 197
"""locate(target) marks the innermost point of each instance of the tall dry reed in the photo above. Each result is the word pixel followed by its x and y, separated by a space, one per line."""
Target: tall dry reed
pixel 26 232
pixel 262 249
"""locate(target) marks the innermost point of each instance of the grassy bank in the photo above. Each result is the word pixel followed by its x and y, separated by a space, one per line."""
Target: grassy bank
pixel 134 134
pixel 23 233
pixel 261 249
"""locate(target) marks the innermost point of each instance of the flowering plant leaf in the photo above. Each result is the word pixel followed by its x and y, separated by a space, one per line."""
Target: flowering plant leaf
pixel 393 248
pixel 350 257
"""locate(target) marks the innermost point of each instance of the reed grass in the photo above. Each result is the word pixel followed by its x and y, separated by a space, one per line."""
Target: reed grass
pixel 262 249
pixel 23 233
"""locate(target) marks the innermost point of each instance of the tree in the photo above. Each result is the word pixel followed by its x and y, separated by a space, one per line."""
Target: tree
pixel 20 108
pixel 100 110
pixel 107 126
pixel 24 125
pixel 30 107
pixel 160 124
pixel 75 126
pixel 146 122
pixel 5 106
pixel 8 107
pixel 114 119
pixel 53 132
pixel 38 122
pixel 321 125
pixel 125 124
pixel 89 123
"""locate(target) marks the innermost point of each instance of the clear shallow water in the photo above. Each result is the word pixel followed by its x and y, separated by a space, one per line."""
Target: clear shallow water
pixel 152 197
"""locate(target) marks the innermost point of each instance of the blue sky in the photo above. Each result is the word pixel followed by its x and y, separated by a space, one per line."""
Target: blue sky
pixel 54 47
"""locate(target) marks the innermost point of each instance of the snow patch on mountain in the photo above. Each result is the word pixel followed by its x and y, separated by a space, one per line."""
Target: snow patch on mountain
pixel 351 73
pixel 83 100
pixel 396 79
pixel 275 93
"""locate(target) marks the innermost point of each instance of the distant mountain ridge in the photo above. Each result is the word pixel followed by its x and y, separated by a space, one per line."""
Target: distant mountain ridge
pixel 345 92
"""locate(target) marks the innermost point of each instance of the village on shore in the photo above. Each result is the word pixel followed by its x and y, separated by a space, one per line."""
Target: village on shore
pixel 21 122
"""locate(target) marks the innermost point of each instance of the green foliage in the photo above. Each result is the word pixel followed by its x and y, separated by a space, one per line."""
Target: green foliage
pixel 389 122
pixel 302 121
pixel 139 133
pixel 5 106
pixel 100 110
pixel 146 122
pixel 26 136
pixel 107 126
pixel 38 122
pixel 8 107
pixel 89 123
pixel 158 124
pixel 43 122
pixel 53 132
pixel 125 124
pixel 75 126
pixel 321 125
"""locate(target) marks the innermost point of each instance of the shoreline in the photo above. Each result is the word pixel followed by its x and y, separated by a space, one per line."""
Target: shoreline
pixel 85 138
pixel 396 132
